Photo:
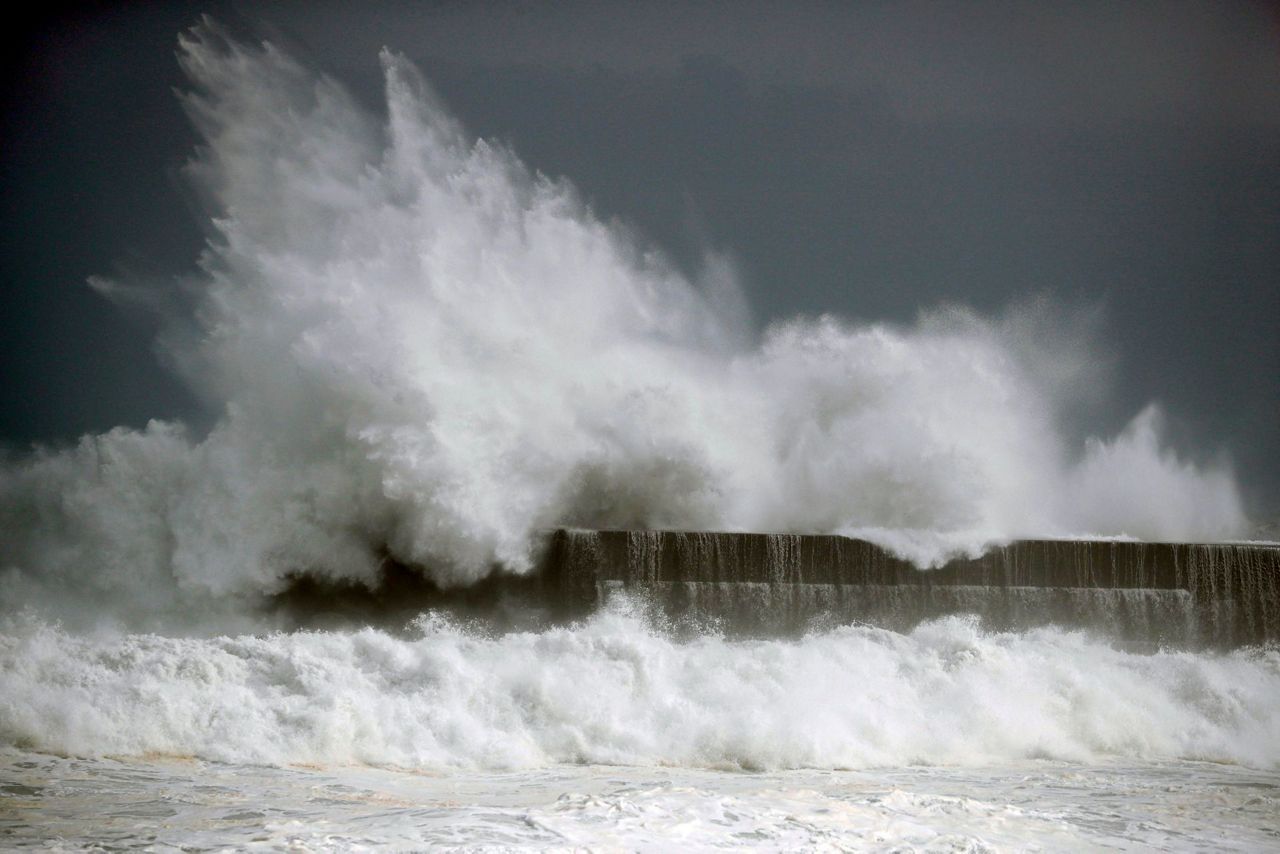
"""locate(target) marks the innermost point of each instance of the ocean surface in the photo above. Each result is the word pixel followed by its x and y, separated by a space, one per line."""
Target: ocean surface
pixel 183 803
pixel 614 734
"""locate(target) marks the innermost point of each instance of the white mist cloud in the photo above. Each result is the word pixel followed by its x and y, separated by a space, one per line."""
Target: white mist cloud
pixel 423 348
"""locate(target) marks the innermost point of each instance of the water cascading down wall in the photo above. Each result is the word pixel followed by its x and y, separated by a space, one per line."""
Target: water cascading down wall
pixel 1184 594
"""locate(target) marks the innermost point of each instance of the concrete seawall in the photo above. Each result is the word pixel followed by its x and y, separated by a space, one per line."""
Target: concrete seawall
pixel 1177 593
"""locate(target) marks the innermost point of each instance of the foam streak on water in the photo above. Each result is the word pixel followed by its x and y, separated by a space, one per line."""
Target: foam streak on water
pixel 1045 806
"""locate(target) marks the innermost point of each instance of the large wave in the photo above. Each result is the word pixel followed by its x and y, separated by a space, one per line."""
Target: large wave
pixel 614 691
pixel 418 347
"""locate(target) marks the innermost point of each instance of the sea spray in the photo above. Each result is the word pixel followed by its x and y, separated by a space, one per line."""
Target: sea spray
pixel 419 348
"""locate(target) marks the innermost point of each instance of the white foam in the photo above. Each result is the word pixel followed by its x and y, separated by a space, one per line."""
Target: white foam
pixel 613 691
pixel 170 802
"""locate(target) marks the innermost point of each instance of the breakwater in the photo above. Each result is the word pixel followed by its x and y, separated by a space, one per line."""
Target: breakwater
pixel 1176 593
pixel 1183 594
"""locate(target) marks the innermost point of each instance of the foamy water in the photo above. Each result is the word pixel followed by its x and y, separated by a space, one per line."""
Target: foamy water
pixel 1042 806
pixel 614 690
pixel 612 735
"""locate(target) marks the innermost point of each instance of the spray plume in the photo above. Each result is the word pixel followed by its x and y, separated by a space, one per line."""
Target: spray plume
pixel 421 348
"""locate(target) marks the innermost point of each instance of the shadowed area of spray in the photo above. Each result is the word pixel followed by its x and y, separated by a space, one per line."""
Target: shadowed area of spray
pixel 401 594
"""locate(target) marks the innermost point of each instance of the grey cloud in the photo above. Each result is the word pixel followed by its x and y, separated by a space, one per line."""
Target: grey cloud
pixel 1014 61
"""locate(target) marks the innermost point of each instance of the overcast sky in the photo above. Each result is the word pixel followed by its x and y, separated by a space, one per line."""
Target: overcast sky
pixel 866 160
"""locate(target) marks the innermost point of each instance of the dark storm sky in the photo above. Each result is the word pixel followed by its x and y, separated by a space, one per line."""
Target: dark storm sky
pixel 867 161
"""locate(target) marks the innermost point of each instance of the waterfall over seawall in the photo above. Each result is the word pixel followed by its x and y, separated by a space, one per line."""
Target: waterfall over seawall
pixel 1178 594
pixel 1174 593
